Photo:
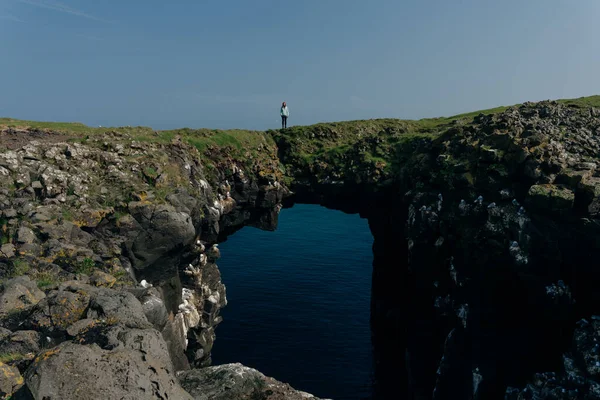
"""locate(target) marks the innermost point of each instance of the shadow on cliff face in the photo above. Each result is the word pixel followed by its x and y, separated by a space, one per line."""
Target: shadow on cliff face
pixel 390 305
pixel 463 315
pixel 459 311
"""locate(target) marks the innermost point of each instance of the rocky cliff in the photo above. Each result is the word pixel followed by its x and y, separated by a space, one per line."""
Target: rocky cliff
pixel 485 228
pixel 108 251
pixel 486 241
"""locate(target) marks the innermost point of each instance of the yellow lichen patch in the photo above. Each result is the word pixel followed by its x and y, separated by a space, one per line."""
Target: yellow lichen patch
pixel 62 253
pixel 100 278
pixel 46 354
pixel 91 218
pixel 66 312
pixel 66 318
pixel 142 197
pixel 114 264
pixel 380 164
pixel 85 330
pixel 12 375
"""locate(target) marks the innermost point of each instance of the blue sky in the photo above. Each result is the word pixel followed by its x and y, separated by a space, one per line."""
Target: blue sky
pixel 230 64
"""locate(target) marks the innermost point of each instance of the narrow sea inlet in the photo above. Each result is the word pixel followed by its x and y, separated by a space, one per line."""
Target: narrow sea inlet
pixel 299 302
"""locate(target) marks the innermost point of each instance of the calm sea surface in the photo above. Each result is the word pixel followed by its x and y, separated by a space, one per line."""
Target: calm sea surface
pixel 299 302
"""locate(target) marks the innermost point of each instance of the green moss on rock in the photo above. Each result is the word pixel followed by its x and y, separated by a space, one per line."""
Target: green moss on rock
pixel 572 178
pixel 552 198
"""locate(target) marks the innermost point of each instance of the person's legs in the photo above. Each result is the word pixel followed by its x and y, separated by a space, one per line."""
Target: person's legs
pixel 285 121
pixel 282 122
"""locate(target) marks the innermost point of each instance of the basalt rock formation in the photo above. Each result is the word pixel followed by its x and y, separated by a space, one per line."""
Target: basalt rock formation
pixel 485 233
pixel 486 236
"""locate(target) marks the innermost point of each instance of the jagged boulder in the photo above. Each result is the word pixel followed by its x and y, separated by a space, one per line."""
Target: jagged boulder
pixel 74 301
pixel 589 193
pixel 153 306
pixel 19 293
pixel 121 307
pixel 183 202
pixel 58 311
pixel 20 343
pixel 156 231
pixel 138 368
pixel 171 328
pixel 236 382
pixel 112 352
pixel 25 235
pixel 100 278
pixel 10 380
pixel 7 251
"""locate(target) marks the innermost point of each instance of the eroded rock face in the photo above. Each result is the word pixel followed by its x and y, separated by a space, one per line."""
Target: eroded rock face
pixel 153 306
pixel 159 230
pixel 494 261
pixel 120 306
pixel 99 343
pixel 236 381
pixel 486 237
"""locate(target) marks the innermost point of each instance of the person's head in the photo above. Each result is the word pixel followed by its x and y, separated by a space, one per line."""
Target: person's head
pixel 283 104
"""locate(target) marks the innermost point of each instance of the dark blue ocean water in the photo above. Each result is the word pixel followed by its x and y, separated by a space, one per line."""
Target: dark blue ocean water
pixel 299 302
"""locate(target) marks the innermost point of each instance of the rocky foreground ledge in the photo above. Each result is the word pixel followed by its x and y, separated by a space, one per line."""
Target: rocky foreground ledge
pixel 109 349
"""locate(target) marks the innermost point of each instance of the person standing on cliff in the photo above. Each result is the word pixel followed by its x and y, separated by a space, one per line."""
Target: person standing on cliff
pixel 285 113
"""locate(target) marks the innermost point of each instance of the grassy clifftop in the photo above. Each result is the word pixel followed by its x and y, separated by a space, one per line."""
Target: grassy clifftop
pixel 200 138
pixel 79 128
pixel 362 148
pixel 373 150
pixel 334 133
